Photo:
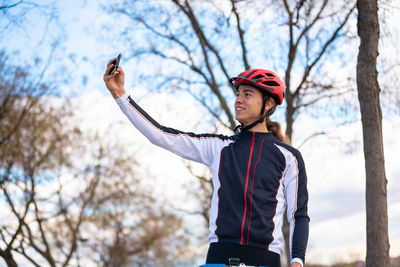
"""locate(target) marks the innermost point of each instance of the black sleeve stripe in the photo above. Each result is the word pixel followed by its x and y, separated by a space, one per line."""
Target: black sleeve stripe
pixel 171 131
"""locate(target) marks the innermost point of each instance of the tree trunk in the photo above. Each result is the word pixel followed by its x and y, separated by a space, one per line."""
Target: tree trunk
pixel 286 238
pixel 7 256
pixel 289 132
pixel 290 110
pixel 371 117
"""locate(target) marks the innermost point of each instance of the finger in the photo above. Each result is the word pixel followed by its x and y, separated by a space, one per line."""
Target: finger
pixel 110 65
pixel 111 61
pixel 117 71
pixel 108 70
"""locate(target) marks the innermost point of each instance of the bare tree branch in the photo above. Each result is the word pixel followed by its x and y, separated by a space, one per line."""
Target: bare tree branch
pixel 11 5
pixel 323 50
pixel 241 36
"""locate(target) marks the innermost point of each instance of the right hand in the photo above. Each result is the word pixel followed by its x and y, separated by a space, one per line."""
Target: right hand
pixel 114 82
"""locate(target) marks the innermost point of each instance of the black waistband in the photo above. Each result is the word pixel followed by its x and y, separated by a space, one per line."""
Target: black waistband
pixel 221 252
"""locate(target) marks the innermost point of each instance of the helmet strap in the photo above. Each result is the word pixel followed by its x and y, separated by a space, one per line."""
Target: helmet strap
pixel 251 125
pixel 261 119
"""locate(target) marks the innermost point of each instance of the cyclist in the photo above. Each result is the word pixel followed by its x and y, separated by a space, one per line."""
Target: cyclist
pixel 256 173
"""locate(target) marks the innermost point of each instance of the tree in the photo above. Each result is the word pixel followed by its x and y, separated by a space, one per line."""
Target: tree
pixel 371 117
pixel 35 148
pixel 14 85
pixel 62 189
pixel 199 45
pixel 135 227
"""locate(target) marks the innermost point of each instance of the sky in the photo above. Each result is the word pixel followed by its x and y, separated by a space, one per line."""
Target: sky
pixel 334 161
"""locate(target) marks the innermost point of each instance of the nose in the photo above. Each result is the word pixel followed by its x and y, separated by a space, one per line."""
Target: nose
pixel 239 98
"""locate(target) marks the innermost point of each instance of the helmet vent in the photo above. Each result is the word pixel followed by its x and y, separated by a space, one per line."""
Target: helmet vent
pixel 270 83
pixel 259 76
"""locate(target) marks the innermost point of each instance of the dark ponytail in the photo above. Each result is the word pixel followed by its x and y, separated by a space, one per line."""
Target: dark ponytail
pixel 275 128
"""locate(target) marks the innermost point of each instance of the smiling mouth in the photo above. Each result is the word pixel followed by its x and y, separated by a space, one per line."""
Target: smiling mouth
pixel 239 108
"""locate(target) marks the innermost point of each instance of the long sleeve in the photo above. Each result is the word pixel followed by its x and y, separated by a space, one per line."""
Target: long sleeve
pixel 296 196
pixel 197 147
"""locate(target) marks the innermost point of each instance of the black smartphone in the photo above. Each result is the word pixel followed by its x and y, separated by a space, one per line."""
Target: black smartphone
pixel 116 64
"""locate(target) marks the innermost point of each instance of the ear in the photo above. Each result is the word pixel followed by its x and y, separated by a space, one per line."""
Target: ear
pixel 269 105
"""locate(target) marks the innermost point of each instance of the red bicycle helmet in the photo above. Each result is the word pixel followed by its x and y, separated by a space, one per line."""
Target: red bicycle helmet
pixel 265 80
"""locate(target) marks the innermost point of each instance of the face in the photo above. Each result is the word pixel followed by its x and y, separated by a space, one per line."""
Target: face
pixel 248 104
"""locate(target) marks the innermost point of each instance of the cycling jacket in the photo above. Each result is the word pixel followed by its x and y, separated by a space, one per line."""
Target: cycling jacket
pixel 255 176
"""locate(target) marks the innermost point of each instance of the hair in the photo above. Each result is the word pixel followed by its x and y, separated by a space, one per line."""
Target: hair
pixel 275 128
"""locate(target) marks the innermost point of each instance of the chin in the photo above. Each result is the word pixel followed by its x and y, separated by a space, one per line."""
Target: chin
pixel 240 118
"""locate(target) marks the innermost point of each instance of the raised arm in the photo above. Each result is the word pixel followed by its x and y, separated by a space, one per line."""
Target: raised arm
pixel 197 147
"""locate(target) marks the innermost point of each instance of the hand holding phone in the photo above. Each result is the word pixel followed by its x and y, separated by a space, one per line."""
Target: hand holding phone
pixel 116 64
pixel 114 83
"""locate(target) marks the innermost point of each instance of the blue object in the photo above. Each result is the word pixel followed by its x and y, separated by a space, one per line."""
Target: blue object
pixel 220 265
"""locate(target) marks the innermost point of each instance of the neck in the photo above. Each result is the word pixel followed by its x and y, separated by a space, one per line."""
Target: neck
pixel 260 127
pixel 256 126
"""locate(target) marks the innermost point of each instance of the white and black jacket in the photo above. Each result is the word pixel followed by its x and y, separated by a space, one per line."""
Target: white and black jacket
pixel 255 176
